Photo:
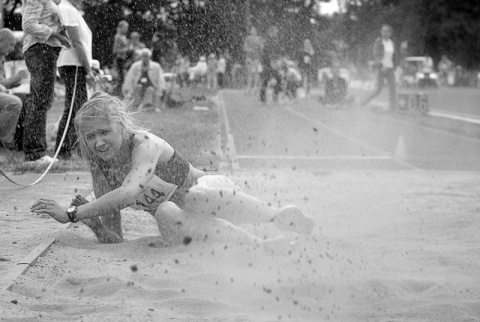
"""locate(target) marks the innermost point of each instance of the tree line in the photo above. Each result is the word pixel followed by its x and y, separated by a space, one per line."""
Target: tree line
pixel 430 27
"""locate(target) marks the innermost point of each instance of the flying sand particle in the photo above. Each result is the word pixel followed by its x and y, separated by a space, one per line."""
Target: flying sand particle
pixel 267 290
pixel 187 240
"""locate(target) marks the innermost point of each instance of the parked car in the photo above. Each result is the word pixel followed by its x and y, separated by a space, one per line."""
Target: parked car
pixel 419 71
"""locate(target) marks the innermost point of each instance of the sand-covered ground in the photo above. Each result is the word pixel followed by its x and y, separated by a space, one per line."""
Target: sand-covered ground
pixel 387 246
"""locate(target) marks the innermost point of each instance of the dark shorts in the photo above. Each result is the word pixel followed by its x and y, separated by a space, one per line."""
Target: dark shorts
pixel 179 196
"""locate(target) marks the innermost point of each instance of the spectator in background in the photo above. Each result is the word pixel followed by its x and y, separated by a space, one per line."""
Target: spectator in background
pixel 253 47
pixel 182 64
pixel 157 47
pixel 44 37
pixel 212 71
pixel 221 69
pixel 199 71
pixel 445 68
pixel 270 63
pixel 145 82
pixel 386 59
pixel 134 49
pixel 293 79
pixel 10 105
pixel 228 68
pixel 170 55
pixel 74 65
pixel 306 65
pixel 120 48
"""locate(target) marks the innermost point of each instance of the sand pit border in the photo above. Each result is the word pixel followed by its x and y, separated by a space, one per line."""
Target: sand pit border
pixel 28 261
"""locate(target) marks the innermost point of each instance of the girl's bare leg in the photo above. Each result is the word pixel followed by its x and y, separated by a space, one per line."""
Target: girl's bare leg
pixel 177 226
pixel 208 199
pixel 228 204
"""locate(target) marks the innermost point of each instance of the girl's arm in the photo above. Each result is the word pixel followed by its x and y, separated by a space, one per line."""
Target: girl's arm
pixel 145 155
pixel 148 150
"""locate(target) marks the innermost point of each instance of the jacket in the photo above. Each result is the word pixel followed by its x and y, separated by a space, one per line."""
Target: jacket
pixel 378 51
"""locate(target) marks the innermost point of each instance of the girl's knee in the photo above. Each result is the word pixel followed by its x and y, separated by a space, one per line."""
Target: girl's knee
pixel 166 208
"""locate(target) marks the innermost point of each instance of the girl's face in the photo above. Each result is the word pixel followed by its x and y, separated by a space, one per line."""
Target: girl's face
pixel 103 138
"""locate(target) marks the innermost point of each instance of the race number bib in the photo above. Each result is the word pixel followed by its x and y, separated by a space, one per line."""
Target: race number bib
pixel 155 192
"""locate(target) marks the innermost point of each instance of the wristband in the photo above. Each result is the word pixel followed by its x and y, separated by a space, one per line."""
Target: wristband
pixel 71 213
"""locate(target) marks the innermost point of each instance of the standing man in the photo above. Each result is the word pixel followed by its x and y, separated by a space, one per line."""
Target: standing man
pixel 306 64
pixel 386 59
pixel 270 63
pixel 74 65
pixel 44 37
pixel 10 105
pixel 120 49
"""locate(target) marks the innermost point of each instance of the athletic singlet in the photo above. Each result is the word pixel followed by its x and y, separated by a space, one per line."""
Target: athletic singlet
pixel 163 185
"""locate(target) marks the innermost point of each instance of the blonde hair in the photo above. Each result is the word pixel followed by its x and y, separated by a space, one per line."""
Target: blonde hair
pixel 111 108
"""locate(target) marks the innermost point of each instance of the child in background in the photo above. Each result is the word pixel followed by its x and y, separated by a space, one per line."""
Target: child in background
pixel 293 79
pixel 182 64
pixel 132 167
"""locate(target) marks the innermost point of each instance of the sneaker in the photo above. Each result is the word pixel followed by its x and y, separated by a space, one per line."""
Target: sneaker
pixel 44 160
pixel 290 218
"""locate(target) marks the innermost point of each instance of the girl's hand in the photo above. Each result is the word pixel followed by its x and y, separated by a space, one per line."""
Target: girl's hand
pixel 50 207
pixel 78 200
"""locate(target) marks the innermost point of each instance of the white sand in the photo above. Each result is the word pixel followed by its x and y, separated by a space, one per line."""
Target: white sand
pixel 388 246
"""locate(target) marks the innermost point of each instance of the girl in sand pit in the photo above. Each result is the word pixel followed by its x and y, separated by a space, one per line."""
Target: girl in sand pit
pixel 131 167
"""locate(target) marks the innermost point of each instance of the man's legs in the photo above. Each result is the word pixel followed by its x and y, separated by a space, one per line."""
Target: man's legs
pixel 278 84
pixel 137 98
pixel 120 64
pixel 41 62
pixel 149 97
pixel 10 108
pixel 68 75
pixel 18 138
pixel 392 93
pixel 264 78
pixel 380 76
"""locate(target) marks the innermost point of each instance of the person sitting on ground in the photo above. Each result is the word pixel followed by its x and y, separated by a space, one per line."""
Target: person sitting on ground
pixel 145 82
pixel 199 71
pixel 132 167
pixel 335 89
pixel 10 105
